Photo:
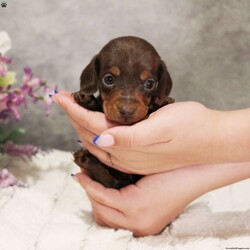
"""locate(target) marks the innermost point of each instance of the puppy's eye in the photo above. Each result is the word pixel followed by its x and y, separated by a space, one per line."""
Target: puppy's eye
pixel 108 79
pixel 149 84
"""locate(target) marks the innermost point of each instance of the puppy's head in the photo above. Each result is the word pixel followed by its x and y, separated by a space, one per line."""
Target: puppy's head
pixel 130 77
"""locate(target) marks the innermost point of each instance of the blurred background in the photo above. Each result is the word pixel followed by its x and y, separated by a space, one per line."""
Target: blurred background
pixel 206 45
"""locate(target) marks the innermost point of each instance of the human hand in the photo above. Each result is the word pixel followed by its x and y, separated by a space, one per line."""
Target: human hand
pixel 174 136
pixel 178 135
pixel 147 207
pixel 88 124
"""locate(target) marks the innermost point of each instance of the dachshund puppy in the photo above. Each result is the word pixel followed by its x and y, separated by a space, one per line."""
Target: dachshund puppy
pixel 133 82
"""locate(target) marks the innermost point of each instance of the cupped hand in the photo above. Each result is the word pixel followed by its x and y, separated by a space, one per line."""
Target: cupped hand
pixel 88 124
pixel 174 136
pixel 147 207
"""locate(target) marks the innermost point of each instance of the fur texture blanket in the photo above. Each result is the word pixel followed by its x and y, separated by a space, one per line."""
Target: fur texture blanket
pixel 53 213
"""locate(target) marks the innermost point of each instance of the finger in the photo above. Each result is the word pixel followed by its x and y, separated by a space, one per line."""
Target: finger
pixel 147 132
pixel 100 222
pixel 109 159
pixel 106 196
pixel 105 215
pixel 86 118
pixel 100 154
pixel 123 161
pixel 108 216
pixel 83 133
pixel 96 215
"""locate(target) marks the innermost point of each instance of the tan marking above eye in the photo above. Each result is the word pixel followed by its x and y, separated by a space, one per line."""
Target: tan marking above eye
pixel 144 75
pixel 115 71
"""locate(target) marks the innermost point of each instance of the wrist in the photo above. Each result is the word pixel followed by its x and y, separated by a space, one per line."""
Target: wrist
pixel 234 136
pixel 208 177
pixel 215 176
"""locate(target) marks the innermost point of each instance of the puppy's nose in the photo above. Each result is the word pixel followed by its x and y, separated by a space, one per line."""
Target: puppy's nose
pixel 126 110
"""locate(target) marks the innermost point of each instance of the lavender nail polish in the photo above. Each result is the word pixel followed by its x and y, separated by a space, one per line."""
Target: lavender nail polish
pixel 74 177
pixel 104 140
pixel 79 141
pixel 51 94
pixel 95 139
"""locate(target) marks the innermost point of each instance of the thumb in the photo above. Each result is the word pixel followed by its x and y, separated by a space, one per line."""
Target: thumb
pixel 83 117
pixel 143 133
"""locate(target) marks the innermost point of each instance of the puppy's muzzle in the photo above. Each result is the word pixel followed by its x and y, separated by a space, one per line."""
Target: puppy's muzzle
pixel 125 110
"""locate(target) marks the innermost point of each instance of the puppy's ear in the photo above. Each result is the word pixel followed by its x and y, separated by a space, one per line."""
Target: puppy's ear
pixel 89 76
pixel 163 89
pixel 165 81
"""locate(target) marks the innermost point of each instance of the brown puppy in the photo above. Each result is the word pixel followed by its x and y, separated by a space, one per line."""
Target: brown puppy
pixel 133 82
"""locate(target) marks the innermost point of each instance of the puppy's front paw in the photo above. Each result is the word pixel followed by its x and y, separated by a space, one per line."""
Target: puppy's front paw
pixel 87 101
pixel 169 100
pixel 81 99
pixel 81 158
pixel 94 168
pixel 160 102
pixel 164 100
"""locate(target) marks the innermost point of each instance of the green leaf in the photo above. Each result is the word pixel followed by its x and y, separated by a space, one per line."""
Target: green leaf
pixel 16 134
pixel 9 79
pixel 13 135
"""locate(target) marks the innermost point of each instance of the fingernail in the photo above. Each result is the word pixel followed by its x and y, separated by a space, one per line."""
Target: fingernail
pixel 51 95
pixel 105 140
pixel 79 141
pixel 74 177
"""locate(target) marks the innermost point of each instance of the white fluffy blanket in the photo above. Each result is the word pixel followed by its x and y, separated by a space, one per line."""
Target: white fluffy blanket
pixel 53 213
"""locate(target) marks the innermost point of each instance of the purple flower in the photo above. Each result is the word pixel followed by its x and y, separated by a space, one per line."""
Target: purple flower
pixel 3 71
pixel 13 149
pixel 9 103
pixel 30 84
pixel 28 74
pixel 7 179
pixel 12 98
pixel 6 116
pixel 3 102
pixel 48 101
pixel 4 61
pixel 8 110
pixel 28 79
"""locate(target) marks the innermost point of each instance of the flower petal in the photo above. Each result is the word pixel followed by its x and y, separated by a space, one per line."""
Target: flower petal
pixel 5 42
